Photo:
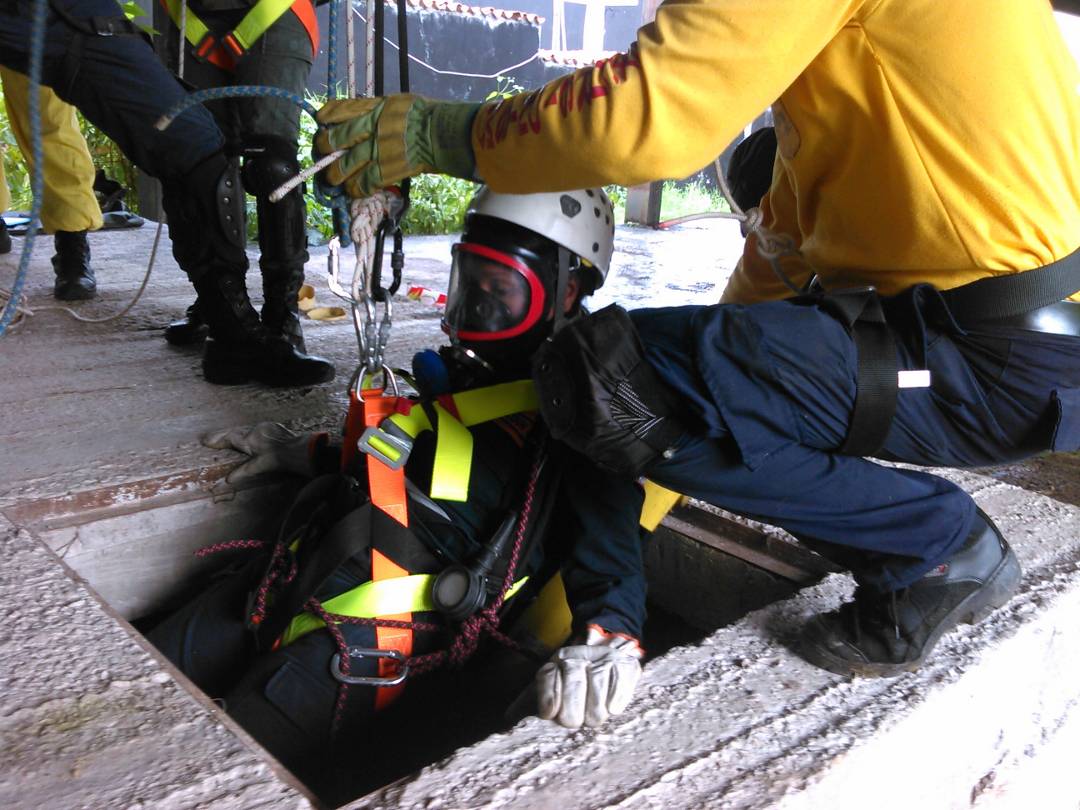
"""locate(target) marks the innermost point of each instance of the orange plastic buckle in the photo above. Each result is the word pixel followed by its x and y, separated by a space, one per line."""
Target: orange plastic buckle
pixel 234 45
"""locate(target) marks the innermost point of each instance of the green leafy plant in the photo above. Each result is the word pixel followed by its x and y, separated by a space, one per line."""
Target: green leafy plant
pixel 682 199
pixel 617 195
pixel 133 11
pixel 18 178
pixel 505 86
pixel 437 204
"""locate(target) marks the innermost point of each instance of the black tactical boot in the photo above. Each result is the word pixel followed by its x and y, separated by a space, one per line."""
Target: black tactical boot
pixel 5 237
pixel 206 224
pixel 240 349
pixel 882 634
pixel 190 329
pixel 74 276
pixel 269 162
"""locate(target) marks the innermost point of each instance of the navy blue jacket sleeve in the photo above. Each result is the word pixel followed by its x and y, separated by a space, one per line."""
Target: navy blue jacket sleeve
pixel 600 545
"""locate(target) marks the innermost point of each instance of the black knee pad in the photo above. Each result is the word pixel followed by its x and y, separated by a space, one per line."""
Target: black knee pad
pixel 268 162
pixel 207 222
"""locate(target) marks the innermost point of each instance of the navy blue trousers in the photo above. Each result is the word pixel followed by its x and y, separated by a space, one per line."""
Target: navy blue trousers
pixel 768 392
pixel 118 83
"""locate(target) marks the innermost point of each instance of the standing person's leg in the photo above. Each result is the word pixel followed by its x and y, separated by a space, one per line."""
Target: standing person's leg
pixel 281 58
pixel 121 87
pixel 770 390
pixel 193 327
pixel 69 208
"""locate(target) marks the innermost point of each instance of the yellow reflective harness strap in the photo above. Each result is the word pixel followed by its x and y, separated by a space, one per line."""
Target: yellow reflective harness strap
pixel 484 404
pixel 382 597
pixel 453 442
pixel 454 414
pixel 194 28
pixel 254 24
pixel 262 15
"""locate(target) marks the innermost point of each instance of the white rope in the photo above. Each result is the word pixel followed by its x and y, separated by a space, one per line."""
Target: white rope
pixel 367 214
pixel 183 37
pixel 310 171
pixel 22 310
pixel 369 48
pixel 772 247
pixel 422 63
pixel 350 57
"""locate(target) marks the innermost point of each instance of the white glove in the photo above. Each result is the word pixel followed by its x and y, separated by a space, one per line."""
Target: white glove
pixel 587 683
pixel 272 447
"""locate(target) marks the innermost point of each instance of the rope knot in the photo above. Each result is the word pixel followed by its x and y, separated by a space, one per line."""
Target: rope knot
pixel 754 219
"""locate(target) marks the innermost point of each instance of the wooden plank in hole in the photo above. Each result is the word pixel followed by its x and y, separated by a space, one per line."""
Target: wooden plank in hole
pixel 750 545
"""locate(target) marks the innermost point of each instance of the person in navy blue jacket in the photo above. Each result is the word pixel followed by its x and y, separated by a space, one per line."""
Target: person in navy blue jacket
pixel 501 305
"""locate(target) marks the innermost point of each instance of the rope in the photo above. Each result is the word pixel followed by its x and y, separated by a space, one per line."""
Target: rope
pixel 451 72
pixel 28 312
pixel 331 48
pixel 350 55
pixel 183 38
pixel 230 545
pixel 366 215
pixel 369 49
pixel 486 621
pixel 237 91
pixel 37 49
pixel 772 247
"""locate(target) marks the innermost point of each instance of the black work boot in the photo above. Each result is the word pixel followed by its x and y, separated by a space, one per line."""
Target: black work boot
pixel 74 276
pixel 240 348
pixel 281 311
pixel 190 329
pixel 268 162
pixel 883 634
pixel 5 237
pixel 205 208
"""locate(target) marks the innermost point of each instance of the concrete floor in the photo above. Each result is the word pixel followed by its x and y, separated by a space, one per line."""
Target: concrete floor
pixel 101 458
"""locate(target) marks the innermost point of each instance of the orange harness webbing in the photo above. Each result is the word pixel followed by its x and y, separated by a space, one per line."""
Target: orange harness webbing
pixel 387 490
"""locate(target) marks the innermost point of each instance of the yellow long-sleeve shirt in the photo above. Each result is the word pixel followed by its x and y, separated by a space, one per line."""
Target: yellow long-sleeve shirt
pixel 919 140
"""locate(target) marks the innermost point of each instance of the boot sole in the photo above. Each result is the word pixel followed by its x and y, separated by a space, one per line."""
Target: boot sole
pixel 995 592
pixel 76 295
pixel 188 337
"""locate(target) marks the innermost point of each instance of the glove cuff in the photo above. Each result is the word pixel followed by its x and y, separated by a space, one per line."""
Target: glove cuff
pixel 597 636
pixel 449 129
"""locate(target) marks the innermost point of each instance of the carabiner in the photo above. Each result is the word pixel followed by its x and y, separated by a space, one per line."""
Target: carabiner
pixel 367 652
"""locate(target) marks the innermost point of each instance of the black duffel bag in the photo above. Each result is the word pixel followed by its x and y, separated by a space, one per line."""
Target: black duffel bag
pixel 599 395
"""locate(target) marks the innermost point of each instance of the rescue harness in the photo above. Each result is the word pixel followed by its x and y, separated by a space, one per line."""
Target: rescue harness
pixel 225 50
pixel 334 518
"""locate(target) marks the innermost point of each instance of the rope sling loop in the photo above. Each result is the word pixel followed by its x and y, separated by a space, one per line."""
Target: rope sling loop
pixel 772 247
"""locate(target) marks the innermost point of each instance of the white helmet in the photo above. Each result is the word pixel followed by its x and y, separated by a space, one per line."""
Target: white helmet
pixel 581 221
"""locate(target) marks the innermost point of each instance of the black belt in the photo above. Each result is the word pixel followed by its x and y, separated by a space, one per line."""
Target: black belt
pixel 1062 318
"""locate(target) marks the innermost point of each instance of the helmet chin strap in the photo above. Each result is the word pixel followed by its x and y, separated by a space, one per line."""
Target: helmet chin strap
pixel 561 282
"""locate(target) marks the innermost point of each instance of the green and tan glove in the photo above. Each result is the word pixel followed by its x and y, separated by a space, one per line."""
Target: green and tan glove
pixel 389 138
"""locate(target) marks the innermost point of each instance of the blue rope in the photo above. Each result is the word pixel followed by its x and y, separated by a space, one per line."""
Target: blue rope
pixel 237 91
pixel 37 49
pixel 333 198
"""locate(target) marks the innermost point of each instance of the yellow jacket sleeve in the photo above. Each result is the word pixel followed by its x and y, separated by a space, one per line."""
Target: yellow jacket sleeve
pixel 669 105
pixel 918 140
